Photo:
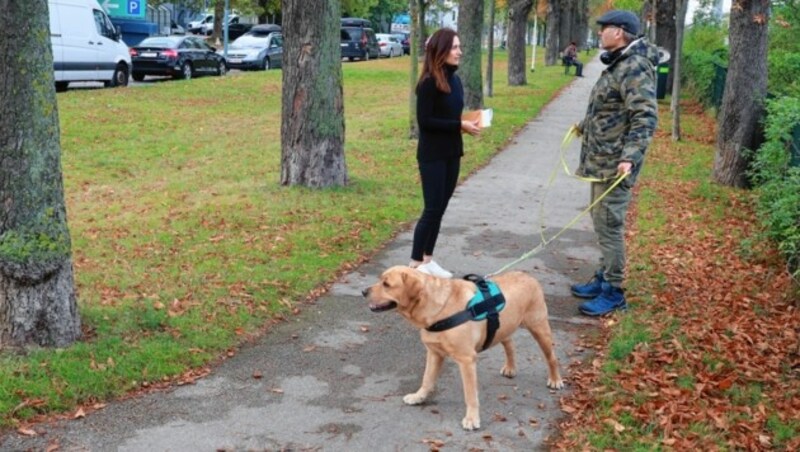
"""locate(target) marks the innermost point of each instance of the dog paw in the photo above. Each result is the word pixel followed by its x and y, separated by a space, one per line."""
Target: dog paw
pixel 558 384
pixel 413 399
pixel 508 372
pixel 471 423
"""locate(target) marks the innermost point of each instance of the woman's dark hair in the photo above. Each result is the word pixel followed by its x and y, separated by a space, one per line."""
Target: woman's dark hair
pixel 437 50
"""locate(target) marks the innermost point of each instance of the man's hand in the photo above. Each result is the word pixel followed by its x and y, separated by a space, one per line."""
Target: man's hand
pixel 624 168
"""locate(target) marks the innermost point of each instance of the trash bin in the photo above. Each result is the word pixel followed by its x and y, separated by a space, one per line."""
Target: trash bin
pixel 794 147
pixel 661 86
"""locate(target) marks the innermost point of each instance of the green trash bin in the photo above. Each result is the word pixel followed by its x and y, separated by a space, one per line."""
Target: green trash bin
pixel 661 85
pixel 794 147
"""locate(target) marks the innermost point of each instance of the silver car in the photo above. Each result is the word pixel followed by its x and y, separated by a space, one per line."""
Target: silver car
pixel 390 45
pixel 261 48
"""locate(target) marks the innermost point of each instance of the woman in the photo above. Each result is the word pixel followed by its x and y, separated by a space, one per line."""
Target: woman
pixel 440 99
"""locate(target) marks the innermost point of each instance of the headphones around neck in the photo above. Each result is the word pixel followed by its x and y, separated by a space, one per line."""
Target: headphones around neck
pixel 609 57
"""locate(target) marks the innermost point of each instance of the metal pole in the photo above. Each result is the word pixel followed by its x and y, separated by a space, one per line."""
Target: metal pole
pixel 535 38
pixel 225 31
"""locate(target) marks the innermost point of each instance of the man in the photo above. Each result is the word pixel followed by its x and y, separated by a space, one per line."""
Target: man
pixel 571 59
pixel 619 124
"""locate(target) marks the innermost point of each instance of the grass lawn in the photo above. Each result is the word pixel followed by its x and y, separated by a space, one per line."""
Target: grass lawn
pixel 184 243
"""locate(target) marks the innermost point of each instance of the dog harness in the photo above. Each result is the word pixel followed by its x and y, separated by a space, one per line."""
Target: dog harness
pixel 486 304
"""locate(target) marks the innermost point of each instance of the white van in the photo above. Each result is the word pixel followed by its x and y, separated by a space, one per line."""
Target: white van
pixel 86 45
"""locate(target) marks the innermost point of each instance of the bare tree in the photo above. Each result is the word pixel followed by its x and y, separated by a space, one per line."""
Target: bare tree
pixel 552 42
pixel 489 89
pixel 37 291
pixel 415 36
pixel 745 89
pixel 470 29
pixel 518 12
pixel 666 23
pixel 312 120
pixel 676 65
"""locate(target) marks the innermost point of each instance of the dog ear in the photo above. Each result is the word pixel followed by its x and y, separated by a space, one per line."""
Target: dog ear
pixel 413 286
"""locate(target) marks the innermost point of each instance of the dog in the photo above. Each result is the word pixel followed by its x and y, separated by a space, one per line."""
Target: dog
pixel 425 300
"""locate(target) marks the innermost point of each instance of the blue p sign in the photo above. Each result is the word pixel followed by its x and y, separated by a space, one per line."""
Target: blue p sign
pixel 133 7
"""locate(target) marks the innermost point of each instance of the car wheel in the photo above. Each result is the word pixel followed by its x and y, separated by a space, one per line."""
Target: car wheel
pixel 221 68
pixel 186 71
pixel 137 77
pixel 61 86
pixel 120 77
pixel 265 64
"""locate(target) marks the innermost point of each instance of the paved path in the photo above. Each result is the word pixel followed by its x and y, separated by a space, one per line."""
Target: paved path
pixel 334 376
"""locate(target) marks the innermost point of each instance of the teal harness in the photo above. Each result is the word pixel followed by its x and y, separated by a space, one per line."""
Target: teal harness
pixel 486 304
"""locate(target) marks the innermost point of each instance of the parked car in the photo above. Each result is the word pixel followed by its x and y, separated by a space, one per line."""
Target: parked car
pixel 235 28
pixel 204 23
pixel 86 45
pixel 405 41
pixel 177 56
pixel 390 45
pixel 194 26
pixel 173 29
pixel 358 40
pixel 260 48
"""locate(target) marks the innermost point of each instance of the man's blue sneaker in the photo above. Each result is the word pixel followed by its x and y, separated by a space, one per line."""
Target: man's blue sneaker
pixel 591 289
pixel 610 299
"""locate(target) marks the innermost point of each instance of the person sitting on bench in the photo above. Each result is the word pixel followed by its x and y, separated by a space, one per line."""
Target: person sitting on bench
pixel 571 59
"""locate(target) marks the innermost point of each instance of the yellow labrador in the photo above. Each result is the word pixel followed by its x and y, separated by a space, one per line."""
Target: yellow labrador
pixel 424 300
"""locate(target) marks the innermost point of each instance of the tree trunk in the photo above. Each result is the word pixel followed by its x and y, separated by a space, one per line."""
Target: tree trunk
pixel 665 31
pixel 552 45
pixel 518 12
pixel 490 57
pixel 312 123
pixel 470 28
pixel 37 293
pixel 219 17
pixel 423 31
pixel 413 74
pixel 676 86
pixel 745 89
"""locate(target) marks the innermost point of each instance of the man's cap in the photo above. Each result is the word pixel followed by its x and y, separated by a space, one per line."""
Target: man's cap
pixel 622 19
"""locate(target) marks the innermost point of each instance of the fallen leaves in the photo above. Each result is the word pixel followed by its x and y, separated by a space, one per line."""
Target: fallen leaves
pixel 718 369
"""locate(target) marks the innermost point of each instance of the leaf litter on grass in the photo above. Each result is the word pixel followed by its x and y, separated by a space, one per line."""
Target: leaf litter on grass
pixel 722 368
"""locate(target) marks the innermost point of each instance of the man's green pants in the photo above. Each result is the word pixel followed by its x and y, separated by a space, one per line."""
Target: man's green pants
pixel 609 225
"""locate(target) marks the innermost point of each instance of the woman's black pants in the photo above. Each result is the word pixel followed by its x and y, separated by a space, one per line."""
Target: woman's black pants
pixel 439 178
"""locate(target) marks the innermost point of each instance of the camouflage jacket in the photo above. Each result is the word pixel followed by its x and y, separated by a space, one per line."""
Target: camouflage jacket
pixel 622 114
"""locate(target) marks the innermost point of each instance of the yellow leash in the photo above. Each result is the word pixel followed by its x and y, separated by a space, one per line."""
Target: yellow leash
pixel 571 134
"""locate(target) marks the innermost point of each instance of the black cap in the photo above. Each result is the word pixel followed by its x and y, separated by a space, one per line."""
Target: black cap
pixel 622 19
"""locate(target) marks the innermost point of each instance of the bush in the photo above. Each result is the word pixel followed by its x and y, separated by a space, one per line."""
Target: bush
pixel 704 46
pixel 778 182
pixel 784 73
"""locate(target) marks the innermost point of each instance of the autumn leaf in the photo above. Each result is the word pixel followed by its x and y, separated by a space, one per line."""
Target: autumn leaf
pixel 26 431
pixel 80 414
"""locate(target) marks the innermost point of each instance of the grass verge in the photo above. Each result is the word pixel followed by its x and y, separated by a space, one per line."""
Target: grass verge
pixel 707 357
pixel 184 243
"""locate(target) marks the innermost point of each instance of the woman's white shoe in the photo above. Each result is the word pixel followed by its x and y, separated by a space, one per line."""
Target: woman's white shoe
pixel 433 269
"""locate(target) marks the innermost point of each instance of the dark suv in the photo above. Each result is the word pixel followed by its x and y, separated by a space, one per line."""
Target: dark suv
pixel 358 40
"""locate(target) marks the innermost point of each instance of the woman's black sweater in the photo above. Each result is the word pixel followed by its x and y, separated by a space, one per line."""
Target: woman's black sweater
pixel 439 118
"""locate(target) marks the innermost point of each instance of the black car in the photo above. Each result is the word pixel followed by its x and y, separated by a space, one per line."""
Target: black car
pixel 178 56
pixel 358 40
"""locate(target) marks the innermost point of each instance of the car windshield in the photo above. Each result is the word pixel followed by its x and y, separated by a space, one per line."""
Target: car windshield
pixel 163 42
pixel 249 40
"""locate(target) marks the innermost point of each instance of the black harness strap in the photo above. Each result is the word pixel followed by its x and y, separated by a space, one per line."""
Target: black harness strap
pixel 488 307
